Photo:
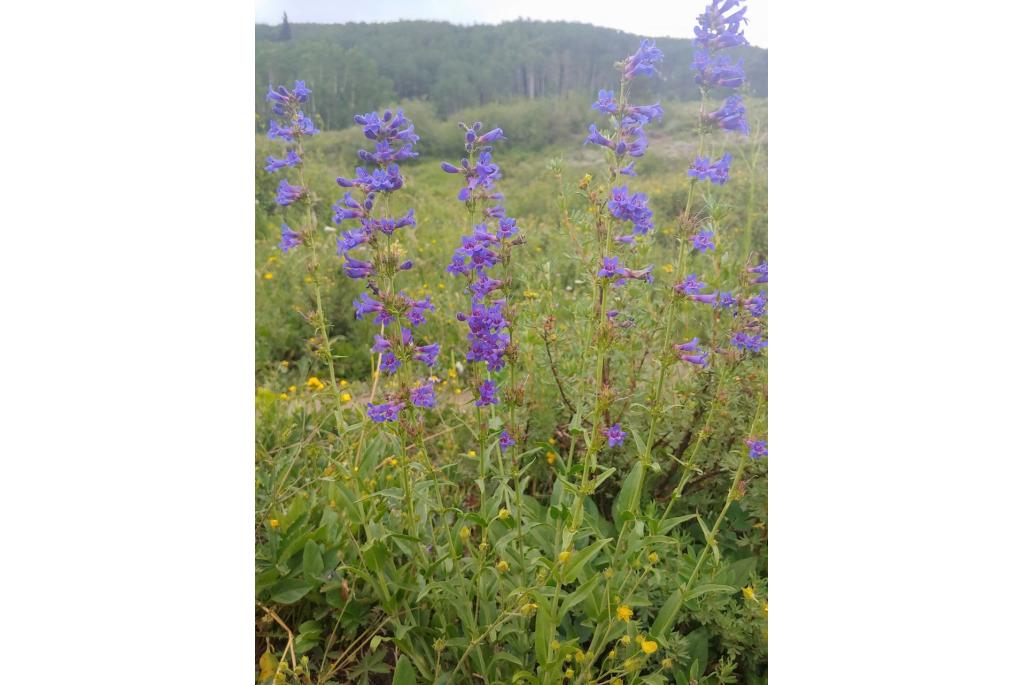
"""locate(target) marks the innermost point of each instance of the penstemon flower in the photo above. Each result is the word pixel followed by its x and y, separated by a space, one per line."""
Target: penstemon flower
pixel 702 241
pixel 758 449
pixel 615 435
pixel 394 137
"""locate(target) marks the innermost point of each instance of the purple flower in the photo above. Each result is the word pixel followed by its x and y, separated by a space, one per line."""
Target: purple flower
pixel 505 441
pixel 350 240
pixel 387 411
pixel 755 305
pixel 356 268
pixel 642 114
pixel 290 160
pixel 423 396
pixel 730 116
pixel 487 394
pixel 287 194
pixel 367 305
pixel 719 171
pixel 716 71
pixel 744 341
pixel 726 301
pixel 761 270
pixel 605 102
pixel 615 435
pixel 691 346
pixel 710 298
pixel 289 239
pixel 393 143
pixel 702 241
pixel 380 344
pixel 389 363
pixel 427 354
pixel 417 309
pixel 691 285
pixel 758 448
pixel 350 208
pixel 716 31
pixel 597 138
pixel 626 207
pixel 697 356
pixel 641 63
pixel 609 268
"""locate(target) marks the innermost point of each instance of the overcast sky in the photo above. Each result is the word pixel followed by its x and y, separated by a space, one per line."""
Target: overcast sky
pixel 660 18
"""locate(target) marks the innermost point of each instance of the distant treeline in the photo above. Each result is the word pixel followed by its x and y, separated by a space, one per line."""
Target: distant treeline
pixel 359 67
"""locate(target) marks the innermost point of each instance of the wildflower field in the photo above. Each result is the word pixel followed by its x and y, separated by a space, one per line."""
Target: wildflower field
pixel 511 386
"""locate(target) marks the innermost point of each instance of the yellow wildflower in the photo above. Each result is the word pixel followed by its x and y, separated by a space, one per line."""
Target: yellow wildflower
pixel 464 533
pixel 345 397
pixel 503 514
pixel 283 396
pixel 653 557
pixel 314 383
pixel 564 556
pixel 440 286
pixel 307 279
pixel 471 454
pixel 624 613
pixel 458 391
pixel 551 441
pixel 502 566
pixel 748 592
pixel 569 673
pixel 612 654
pixel 626 639
pixel 452 373
pixel 551 457
pixel 649 646
pixel 274 523
pixel 393 462
pixel 268 277
pixel 342 383
pixel 292 388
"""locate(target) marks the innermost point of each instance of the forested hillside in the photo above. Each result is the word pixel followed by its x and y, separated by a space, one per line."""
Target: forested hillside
pixel 360 67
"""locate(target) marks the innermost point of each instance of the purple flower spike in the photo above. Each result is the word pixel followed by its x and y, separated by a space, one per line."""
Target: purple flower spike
pixel 505 441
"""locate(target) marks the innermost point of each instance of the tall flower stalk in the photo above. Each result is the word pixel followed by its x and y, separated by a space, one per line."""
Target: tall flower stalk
pixel 715 31
pixel 373 253
pixel 293 127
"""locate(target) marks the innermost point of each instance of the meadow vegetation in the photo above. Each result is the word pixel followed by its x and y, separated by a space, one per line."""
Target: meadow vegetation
pixel 605 521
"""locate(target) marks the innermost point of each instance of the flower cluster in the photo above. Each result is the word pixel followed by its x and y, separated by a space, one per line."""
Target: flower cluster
pixel 294 126
pixel 394 138
pixel 719 30
pixel 489 245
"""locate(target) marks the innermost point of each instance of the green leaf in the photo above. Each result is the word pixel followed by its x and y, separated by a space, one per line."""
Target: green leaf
pixel 628 495
pixel 667 616
pixel 289 591
pixel 579 559
pixel 578 595
pixel 312 561
pixel 710 587
pixel 404 673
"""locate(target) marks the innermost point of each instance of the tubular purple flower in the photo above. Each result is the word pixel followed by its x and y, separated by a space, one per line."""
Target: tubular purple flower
pixel 356 268
pixel 691 346
pixel 367 305
pixel 691 285
pixel 761 270
pixel 287 193
pixel 641 63
pixel 289 239
pixel 290 160
pixel 505 441
pixel 388 411
pixel 730 116
pixel 755 305
pixel 389 363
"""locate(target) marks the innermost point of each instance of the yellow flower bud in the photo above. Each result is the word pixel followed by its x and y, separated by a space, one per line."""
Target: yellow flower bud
pixel 564 556
pixel 503 514
pixel 502 566
pixel 274 523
